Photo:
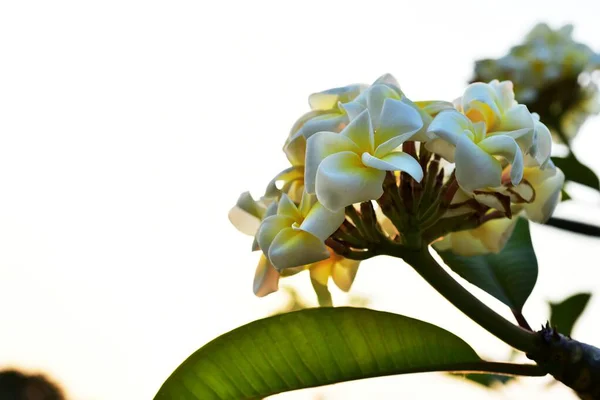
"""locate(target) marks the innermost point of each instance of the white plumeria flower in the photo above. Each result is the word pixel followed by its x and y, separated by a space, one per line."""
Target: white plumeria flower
pixel 386 87
pixel 494 104
pixel 295 235
pixel 326 115
pixel 465 143
pixel 350 167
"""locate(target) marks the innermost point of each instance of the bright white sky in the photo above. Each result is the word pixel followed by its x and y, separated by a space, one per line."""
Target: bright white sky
pixel 128 129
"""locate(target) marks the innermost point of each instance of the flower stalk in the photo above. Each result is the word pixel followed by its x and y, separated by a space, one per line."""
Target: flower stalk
pixel 426 266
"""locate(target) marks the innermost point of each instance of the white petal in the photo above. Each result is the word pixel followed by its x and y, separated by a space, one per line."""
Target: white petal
pixel 302 120
pixel 506 147
pixel 537 175
pixel 246 214
pixel 515 118
pixel 398 123
pixel 295 150
pixel 465 244
pixel 318 147
pixel 442 148
pixel 266 278
pixel 495 233
pixel 271 210
pixel 329 99
pixel 286 177
pixel 287 208
pixel 249 205
pixel 547 196
pixel 477 93
pixel 333 122
pixel 243 222
pixel 475 169
pixel 504 93
pixel 320 271
pixel 322 222
pixel 360 131
pixel 306 204
pixel 449 125
pixel 542 144
pixel 434 107
pixel 293 248
pixel 396 161
pixel 376 96
pixel 387 79
pixel 353 109
pixel 322 101
pixel 493 200
pixel 342 179
pixel 270 228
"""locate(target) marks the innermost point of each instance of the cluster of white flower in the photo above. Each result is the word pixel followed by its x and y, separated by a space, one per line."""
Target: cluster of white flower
pixel 550 61
pixel 359 137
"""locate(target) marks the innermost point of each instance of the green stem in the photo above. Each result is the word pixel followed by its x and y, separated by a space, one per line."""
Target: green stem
pixel 322 292
pixel 422 261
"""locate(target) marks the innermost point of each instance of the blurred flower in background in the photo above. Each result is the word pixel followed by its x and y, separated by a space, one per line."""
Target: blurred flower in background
pixel 553 75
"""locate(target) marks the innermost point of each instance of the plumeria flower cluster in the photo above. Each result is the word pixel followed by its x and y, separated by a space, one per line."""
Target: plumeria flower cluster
pixel 371 168
pixel 553 75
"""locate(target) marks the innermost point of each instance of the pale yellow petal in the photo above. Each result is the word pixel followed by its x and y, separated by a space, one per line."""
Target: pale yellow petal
pixel 320 271
pixel 293 248
pixel 270 228
pixel 342 179
pixel 495 233
pixel 322 222
pixel 344 273
pixel 320 146
pixel 465 244
pixel 266 278
pixel 547 197
pixel 475 168
pixel 287 208
pixel 442 148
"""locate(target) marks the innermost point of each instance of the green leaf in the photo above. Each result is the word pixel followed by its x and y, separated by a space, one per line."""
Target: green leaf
pixel 563 315
pixel 315 347
pixel 575 171
pixel 509 275
pixel 487 380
